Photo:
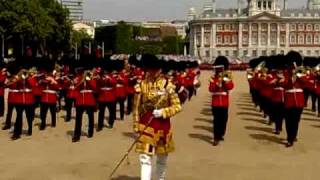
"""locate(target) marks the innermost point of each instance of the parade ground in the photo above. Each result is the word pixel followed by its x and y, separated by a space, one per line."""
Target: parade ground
pixel 250 150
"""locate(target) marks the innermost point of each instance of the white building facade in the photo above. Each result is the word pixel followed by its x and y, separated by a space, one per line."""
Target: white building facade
pixel 75 8
pixel 259 29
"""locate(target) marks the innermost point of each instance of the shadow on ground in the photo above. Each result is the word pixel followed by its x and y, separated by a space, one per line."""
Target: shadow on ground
pixel 202 137
pixel 268 138
pixel 203 120
pixel 206 128
pixel 263 129
pixel 125 178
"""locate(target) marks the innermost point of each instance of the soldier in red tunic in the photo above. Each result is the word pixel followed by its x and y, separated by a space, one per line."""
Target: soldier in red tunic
pixel 220 85
pixel 121 87
pixel 49 86
pixel 25 83
pixel 13 93
pixel 294 97
pixel 85 101
pixel 106 96
pixel 3 77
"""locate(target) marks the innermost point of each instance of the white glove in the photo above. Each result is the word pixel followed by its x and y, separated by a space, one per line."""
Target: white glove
pixel 88 78
pixel 157 113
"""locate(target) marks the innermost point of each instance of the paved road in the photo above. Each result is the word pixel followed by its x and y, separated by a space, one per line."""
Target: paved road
pixel 250 150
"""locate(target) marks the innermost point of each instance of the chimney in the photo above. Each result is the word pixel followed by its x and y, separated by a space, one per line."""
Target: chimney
pixel 285 4
pixel 213 6
pixel 239 7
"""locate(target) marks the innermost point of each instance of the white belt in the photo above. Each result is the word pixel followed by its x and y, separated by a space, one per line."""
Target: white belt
pixel 294 91
pixel 220 93
pixel 279 88
pixel 26 90
pixel 106 89
pixel 72 87
pixel 49 91
pixel 86 91
pixel 120 85
pixel 14 90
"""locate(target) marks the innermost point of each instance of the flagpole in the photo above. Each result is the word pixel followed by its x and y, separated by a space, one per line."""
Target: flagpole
pixel 76 52
pixel 89 47
pixel 102 49
pixel 2 50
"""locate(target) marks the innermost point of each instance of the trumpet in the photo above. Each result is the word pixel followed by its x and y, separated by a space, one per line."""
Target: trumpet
pixel 225 76
pixel 87 75
pixel 299 72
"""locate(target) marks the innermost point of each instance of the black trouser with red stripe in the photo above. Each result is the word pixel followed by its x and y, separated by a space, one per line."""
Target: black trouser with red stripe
pixel 9 115
pixel 44 107
pixel 1 106
pixel 68 107
pixel 121 101
pixel 277 115
pixel 220 119
pixel 112 113
pixel 130 103
pixel 292 117
pixel 29 110
pixel 79 113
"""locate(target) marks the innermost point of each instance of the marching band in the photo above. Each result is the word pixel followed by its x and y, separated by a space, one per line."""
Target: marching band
pixel 88 85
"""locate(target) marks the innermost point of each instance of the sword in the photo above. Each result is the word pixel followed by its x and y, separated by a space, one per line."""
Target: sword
pixel 126 155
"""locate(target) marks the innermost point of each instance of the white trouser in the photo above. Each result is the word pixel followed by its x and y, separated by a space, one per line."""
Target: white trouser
pixel 146 166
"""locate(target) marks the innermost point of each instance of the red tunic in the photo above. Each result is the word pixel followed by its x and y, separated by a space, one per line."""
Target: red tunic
pixel 294 97
pixel 220 95
pixel 25 88
pixel 86 90
pixel 107 87
pixel 3 77
pixel 121 87
pixel 49 92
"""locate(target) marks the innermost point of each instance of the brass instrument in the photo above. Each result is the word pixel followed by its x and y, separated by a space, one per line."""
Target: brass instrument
pixel 299 72
pixel 250 74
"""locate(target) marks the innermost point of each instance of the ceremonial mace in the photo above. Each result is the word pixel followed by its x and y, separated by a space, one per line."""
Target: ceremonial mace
pixel 130 148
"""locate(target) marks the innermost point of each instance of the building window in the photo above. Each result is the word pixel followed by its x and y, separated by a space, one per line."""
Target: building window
pixel 264 53
pixel 219 39
pixel 301 27
pixel 245 52
pixel 283 39
pixel 301 52
pixel 235 53
pixel 207 53
pixel 273 52
pixel 317 52
pixel 234 39
pixel 301 39
pixel 309 27
pixel 317 27
pixel 293 39
pixel 283 27
pixel 219 27
pixel 207 39
pixel 245 27
pixel 264 27
pixel 219 53
pixel 309 53
pixel 264 39
pixel 274 27
pixel 254 40
pixel 227 53
pixel 259 5
pixel 254 53
pixel 270 5
pixel 207 28
pixel 254 27
pixel 293 27
pixel 264 4
pixel 227 39
pixel 282 52
pixel 245 39
pixel 227 27
pixel 316 39
pixel 309 39
pixel 274 39
pixel 198 40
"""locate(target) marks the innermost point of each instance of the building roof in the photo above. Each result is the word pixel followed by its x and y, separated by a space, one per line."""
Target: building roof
pixel 283 13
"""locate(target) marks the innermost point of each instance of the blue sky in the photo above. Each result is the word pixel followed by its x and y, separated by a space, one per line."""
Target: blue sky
pixel 136 10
